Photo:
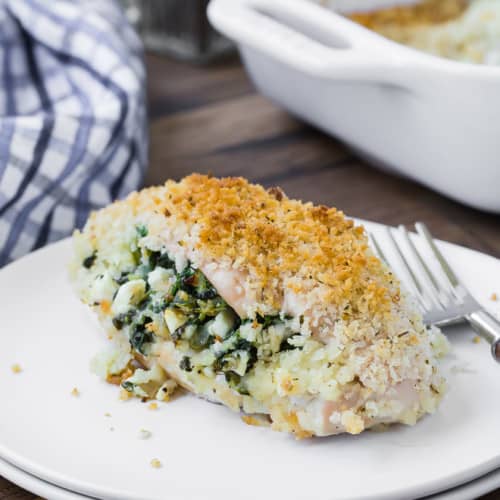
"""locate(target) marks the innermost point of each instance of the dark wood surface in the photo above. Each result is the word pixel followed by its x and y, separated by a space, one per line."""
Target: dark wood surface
pixel 210 119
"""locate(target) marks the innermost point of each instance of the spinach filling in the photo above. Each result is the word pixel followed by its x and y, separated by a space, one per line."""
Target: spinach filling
pixel 198 320
pixel 89 261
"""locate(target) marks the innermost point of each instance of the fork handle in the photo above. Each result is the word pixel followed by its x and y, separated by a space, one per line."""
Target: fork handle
pixel 489 328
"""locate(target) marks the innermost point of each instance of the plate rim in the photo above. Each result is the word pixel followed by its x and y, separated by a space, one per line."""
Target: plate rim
pixel 36 485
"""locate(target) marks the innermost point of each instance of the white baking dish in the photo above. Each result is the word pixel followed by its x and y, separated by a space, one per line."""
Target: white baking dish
pixel 434 120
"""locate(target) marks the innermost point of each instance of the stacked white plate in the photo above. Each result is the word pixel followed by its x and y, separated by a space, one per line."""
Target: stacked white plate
pixel 66 447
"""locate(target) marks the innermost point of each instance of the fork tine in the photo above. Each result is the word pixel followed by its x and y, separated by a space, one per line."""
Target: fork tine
pixel 376 246
pixel 468 309
pixel 452 282
pixel 426 235
pixel 381 255
pixel 436 289
pixel 420 293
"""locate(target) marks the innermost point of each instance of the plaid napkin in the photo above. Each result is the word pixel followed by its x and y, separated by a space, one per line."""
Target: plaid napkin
pixel 72 117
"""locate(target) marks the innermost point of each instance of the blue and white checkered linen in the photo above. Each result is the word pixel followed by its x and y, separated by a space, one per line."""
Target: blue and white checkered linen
pixel 72 117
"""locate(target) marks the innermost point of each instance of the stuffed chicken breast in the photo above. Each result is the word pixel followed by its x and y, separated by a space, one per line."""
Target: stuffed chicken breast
pixel 266 304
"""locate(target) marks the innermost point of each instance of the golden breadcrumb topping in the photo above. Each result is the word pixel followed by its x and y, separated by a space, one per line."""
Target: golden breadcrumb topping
pixel 272 238
pixel 423 13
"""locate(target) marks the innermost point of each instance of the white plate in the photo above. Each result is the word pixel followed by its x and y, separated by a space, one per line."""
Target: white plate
pixel 35 485
pixel 205 450
pixel 474 489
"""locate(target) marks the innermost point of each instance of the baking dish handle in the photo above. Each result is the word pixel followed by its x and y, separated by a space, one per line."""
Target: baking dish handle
pixel 257 24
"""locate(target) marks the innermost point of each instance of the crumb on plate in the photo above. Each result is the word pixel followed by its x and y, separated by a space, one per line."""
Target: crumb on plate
pixel 124 395
pixel 16 368
pixel 155 463
pixel 144 434
pixel 494 297
pixel 153 406
pixel 75 392
pixel 476 339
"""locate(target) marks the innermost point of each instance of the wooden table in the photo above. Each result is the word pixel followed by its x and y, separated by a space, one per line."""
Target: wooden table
pixel 212 120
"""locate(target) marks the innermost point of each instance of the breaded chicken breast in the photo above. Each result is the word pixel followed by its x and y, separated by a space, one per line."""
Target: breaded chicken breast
pixel 268 305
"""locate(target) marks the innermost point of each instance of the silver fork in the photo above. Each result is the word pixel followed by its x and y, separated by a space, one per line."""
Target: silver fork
pixel 442 302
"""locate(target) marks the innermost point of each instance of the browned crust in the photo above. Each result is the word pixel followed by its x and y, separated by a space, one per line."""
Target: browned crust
pixel 427 12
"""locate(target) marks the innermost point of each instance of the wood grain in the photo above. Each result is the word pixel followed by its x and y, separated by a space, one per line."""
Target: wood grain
pixel 210 119
pixel 9 491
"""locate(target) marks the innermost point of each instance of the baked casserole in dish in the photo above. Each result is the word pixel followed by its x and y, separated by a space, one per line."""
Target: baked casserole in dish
pixel 462 30
pixel 431 118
